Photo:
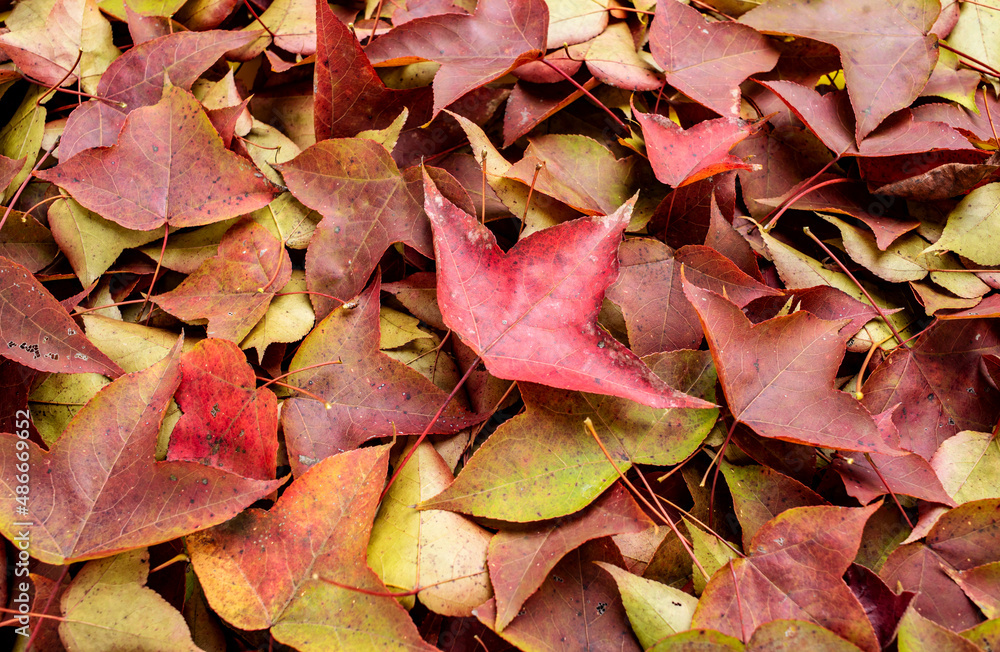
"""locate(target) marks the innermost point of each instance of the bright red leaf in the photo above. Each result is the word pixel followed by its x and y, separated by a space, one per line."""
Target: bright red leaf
pixel 227 423
pixel 99 491
pixel 531 312
pixel 682 156
pixel 152 177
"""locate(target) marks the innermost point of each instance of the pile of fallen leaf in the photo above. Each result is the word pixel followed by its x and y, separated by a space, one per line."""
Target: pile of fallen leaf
pixel 525 324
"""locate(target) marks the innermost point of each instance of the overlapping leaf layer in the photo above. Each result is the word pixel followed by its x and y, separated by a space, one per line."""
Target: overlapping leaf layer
pixel 500 324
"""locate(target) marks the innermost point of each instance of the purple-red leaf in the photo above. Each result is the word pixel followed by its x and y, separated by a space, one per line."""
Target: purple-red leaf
pixel 707 61
pixel 472 50
pixel 350 96
pixel 778 375
pixel 36 330
pixel 819 543
pixel 885 47
pixel 367 393
pixel 519 560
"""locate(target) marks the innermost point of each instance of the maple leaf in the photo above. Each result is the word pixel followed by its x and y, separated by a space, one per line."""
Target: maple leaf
pixel 543 464
pixel 821 542
pixel 146 178
pixel 683 156
pixel 472 50
pixel 350 96
pixel 367 205
pixel 226 422
pixel 655 610
pixel 232 289
pixel 317 530
pixel 612 58
pixel 760 493
pixel 101 602
pixel 443 551
pixel 368 394
pixel 531 312
pixel 828 116
pixel 98 490
pixel 135 80
pixel 520 560
pixel 962 539
pixel 578 606
pixel 886 50
pixel 560 157
pixel 785 391
pixel 48 39
pixel 933 379
pixel 37 332
pixel 707 61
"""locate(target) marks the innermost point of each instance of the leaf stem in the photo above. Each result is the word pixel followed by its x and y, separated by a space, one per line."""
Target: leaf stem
pixel 24 184
pixel 881 314
pixel 254 14
pixel 482 166
pixel 527 202
pixel 48 605
pixel 590 96
pixel 430 425
pixel 718 465
pixel 858 394
pixel 885 483
pixel 159 263
pixel 788 204
pixel 295 371
pixel 987 67
pixel 79 55
pixel 589 425
pixel 739 603
pixel 47 199
pixel 989 116
pixel 110 305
